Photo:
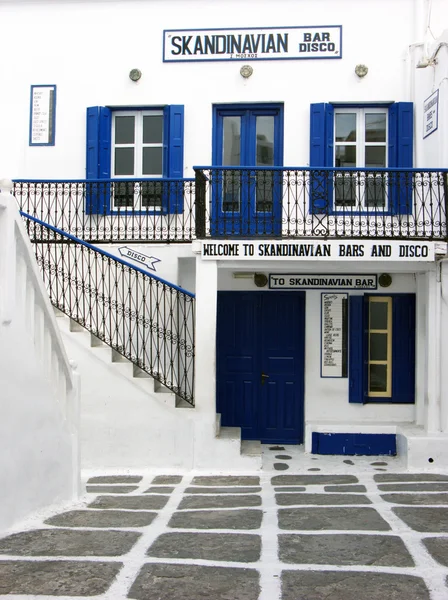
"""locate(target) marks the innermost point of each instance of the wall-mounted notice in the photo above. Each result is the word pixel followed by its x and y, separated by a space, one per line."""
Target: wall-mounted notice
pixel 431 114
pixel 334 311
pixel 42 115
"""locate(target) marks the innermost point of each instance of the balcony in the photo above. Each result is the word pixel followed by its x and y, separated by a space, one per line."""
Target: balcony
pixel 223 202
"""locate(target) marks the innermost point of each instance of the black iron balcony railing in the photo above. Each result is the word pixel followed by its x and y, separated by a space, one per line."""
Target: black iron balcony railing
pixel 147 320
pixel 324 203
pixel 275 202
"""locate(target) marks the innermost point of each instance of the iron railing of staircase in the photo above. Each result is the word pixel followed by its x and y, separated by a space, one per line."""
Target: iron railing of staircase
pixel 146 319
pixel 108 210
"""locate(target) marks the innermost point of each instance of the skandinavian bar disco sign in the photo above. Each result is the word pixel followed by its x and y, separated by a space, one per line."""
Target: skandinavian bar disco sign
pixel 265 43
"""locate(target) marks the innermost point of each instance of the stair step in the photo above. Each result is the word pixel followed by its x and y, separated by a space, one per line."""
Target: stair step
pixel 230 433
pixel 118 358
pixel 218 424
pixel 251 448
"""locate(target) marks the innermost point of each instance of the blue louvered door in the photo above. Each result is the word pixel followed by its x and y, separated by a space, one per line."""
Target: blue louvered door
pixel 260 364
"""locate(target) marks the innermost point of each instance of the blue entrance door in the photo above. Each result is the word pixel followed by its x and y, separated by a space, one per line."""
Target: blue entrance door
pixel 245 200
pixel 260 364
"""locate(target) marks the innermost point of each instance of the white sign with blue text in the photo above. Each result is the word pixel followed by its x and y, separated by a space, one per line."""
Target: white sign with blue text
pixel 431 114
pixel 264 43
pixel 291 281
pixel 139 257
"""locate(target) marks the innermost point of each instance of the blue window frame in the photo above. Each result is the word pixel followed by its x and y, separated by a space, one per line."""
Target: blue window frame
pixel 369 138
pixel 391 340
pixel 140 153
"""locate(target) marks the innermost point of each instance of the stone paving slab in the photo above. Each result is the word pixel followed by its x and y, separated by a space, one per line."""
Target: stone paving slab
pixel 413 487
pixel 322 499
pixel 438 548
pixel 159 490
pixel 383 477
pixel 312 479
pixel 190 582
pixel 112 489
pixel 291 488
pixel 68 542
pixel 60 578
pixel 223 490
pixel 316 518
pixel 115 479
pixel 102 518
pixel 424 519
pixel 342 549
pixel 235 547
pixel 416 498
pixel 130 502
pixel 345 488
pixel 167 479
pixel 219 501
pixel 346 585
pixel 217 519
pixel 221 480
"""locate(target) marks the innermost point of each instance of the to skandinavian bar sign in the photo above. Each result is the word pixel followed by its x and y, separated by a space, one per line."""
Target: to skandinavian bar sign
pixel 264 43
pixel 367 250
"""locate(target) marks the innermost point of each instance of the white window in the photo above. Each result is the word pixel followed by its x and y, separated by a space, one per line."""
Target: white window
pixel 360 140
pixel 137 153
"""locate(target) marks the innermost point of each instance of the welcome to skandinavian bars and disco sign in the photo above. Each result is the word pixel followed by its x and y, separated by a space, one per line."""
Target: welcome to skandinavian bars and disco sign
pixel 264 43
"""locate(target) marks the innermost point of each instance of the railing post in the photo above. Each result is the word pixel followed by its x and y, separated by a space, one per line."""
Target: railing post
pixel 200 202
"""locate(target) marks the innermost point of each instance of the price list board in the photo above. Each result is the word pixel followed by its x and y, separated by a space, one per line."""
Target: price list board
pixel 334 331
pixel 42 115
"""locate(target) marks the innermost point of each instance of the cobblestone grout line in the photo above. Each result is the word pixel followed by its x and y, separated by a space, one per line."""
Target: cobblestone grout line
pixel 136 558
pixel 426 567
pixel 269 565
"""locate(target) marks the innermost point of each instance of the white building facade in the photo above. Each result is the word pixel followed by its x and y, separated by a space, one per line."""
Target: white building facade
pixel 286 164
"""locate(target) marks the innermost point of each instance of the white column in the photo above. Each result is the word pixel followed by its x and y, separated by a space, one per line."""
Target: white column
pixel 205 356
pixel 444 346
pixel 421 349
pixel 433 365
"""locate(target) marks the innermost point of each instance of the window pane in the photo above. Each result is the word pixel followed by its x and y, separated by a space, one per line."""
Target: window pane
pixel 377 378
pixel 346 127
pixel 375 191
pixel 151 194
pixel 375 127
pixel 378 346
pixel 375 156
pixel 231 192
pixel 264 191
pixel 378 315
pixel 153 129
pixel 345 156
pixel 152 161
pixel 231 153
pixel 345 189
pixel 124 161
pixel 265 141
pixel 124 130
pixel 123 194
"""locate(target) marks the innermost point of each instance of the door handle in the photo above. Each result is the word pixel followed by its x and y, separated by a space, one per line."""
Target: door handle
pixel 263 377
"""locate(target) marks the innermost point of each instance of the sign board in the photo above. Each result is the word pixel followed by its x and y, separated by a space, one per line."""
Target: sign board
pixel 431 114
pixel 338 250
pixel 290 281
pixel 138 257
pixel 42 115
pixel 252 43
pixel 334 331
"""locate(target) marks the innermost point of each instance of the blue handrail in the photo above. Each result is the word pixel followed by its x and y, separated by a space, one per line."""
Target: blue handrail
pixel 104 253
pixel 332 169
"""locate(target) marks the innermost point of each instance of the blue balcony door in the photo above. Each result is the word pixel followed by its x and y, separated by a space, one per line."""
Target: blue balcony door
pixel 260 364
pixel 247 201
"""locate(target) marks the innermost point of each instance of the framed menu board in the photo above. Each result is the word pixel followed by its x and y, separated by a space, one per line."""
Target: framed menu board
pixel 42 115
pixel 334 331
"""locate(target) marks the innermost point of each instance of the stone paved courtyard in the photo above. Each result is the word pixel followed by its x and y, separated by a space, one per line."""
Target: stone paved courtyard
pixel 319 529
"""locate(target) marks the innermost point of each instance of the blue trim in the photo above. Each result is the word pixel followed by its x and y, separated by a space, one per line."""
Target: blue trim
pixel 321 332
pixel 68 181
pixel 356 350
pixel 354 444
pixel 309 169
pixel 165 31
pixel 53 122
pixel 108 254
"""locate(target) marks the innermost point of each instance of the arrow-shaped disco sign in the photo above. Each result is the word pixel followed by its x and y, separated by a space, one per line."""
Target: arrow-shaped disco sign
pixel 143 259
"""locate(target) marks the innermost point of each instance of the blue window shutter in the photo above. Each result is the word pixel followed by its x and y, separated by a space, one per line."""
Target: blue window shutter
pixel 174 158
pixel 104 156
pixel 321 155
pixel 92 157
pixel 401 144
pixel 356 349
pixel 403 348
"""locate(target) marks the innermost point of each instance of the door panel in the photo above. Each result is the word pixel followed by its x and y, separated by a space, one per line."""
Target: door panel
pixel 247 202
pixel 261 332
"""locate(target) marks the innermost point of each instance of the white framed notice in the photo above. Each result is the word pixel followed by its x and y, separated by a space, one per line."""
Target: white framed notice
pixel 431 114
pixel 334 334
pixel 42 115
